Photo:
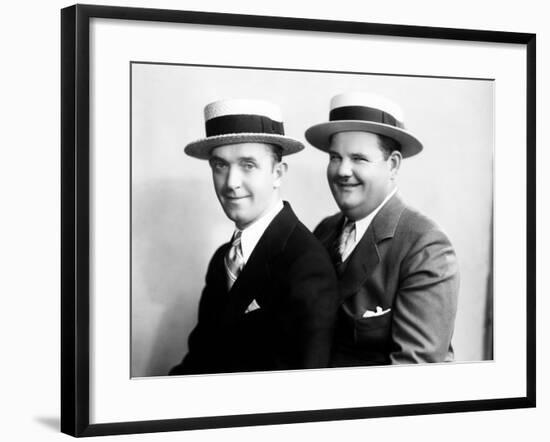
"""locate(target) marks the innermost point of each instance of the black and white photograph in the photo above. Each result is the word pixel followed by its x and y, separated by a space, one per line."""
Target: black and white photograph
pixel 291 219
pixel 273 220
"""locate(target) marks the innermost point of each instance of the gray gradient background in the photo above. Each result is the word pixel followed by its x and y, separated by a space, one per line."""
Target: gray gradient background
pixel 177 222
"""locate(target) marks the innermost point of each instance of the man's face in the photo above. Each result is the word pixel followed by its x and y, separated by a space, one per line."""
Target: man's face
pixel 246 179
pixel 358 175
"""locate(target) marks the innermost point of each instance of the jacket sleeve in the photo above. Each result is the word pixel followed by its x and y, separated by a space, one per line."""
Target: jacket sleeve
pixel 197 357
pixel 426 302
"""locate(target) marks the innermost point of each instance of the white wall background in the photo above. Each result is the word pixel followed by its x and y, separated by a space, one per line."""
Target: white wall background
pixel 29 238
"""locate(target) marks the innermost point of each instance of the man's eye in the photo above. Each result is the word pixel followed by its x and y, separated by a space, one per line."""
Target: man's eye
pixel 334 158
pixel 361 160
pixel 249 166
pixel 218 165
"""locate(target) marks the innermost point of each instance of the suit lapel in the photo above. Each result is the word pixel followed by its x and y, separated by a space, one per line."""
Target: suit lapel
pixel 328 235
pixel 256 273
pixel 360 265
pixel 366 256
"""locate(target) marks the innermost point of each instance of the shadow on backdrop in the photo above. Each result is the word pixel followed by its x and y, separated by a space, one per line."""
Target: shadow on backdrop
pixel 173 238
pixel 488 343
pixel 50 422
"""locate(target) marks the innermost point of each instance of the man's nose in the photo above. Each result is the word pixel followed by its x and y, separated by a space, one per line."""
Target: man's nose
pixel 233 178
pixel 344 168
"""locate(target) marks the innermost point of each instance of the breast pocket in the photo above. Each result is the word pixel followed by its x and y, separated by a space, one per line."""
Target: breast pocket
pixel 373 332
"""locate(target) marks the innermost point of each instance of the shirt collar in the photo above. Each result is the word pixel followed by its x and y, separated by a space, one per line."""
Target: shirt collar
pixel 363 224
pixel 252 234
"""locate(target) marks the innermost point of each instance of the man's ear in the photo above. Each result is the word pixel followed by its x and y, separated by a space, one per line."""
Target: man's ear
pixel 395 163
pixel 279 170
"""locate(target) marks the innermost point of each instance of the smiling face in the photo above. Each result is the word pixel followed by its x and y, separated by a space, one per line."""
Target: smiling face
pixel 359 176
pixel 246 179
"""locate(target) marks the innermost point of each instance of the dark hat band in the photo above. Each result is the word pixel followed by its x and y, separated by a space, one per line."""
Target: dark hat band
pixel 235 124
pixel 364 113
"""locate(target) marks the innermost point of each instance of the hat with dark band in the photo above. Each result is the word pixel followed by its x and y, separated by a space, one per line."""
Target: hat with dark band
pixel 360 111
pixel 242 121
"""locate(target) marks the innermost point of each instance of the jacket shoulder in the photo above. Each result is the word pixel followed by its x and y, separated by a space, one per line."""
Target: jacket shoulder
pixel 413 220
pixel 293 237
pixel 302 240
pixel 420 230
pixel 327 225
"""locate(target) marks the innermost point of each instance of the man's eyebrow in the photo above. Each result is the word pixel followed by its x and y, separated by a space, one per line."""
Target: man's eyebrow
pixel 216 158
pixel 354 153
pixel 348 154
pixel 252 159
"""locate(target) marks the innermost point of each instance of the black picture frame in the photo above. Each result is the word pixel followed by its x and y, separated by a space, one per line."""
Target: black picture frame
pixel 75 214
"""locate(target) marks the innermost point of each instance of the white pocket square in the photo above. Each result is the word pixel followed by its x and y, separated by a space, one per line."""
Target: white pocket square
pixel 253 306
pixel 378 312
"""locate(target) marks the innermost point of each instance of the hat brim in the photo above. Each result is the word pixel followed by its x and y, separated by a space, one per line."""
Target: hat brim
pixel 202 148
pixel 319 135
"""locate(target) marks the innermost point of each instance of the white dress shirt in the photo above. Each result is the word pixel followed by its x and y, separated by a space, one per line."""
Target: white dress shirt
pixel 252 234
pixel 363 224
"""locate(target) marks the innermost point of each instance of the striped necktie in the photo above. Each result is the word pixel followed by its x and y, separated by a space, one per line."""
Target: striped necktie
pixel 346 240
pixel 234 260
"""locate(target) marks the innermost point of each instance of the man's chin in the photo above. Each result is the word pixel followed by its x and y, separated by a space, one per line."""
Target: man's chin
pixel 233 215
pixel 236 217
pixel 346 204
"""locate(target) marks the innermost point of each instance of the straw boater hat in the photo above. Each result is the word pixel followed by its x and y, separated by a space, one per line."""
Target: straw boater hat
pixel 242 121
pixel 364 112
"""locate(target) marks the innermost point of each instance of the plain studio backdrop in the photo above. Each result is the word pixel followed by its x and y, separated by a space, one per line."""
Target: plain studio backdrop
pixel 177 221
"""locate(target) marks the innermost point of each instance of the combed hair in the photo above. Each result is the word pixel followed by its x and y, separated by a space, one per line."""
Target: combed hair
pixel 277 153
pixel 387 145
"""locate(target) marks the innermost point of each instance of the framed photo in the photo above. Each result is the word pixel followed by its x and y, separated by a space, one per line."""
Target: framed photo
pixel 141 220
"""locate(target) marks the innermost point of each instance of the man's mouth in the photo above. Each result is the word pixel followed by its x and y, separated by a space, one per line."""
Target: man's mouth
pixel 235 198
pixel 347 185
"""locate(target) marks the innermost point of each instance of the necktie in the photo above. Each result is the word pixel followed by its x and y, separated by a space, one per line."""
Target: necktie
pixel 234 260
pixel 346 239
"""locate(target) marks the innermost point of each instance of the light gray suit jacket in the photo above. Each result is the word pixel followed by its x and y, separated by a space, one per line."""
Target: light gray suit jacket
pixel 404 264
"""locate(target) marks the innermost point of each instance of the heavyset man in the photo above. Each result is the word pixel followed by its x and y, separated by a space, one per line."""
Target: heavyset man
pixel 397 269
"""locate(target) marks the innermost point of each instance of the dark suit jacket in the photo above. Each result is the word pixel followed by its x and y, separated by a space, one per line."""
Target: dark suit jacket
pixel 404 263
pixel 291 277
